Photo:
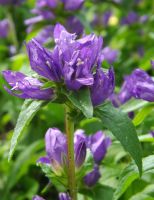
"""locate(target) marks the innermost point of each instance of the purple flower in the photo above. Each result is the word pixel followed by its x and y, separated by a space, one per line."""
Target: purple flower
pixel 125 93
pixel 98 144
pixel 26 87
pixel 138 85
pixel 79 147
pixel 55 143
pixel 143 18
pixel 74 25
pixel 71 61
pixel 64 196
pixel 73 4
pixel 109 55
pixel 37 198
pixel 4 28
pixel 92 177
pixel 46 3
pixel 56 148
pixel 43 11
pixel 131 18
pixel 41 16
pixel 103 86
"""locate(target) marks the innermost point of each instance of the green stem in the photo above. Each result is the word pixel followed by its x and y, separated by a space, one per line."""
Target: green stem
pixel 70 148
pixel 12 29
pixel 85 198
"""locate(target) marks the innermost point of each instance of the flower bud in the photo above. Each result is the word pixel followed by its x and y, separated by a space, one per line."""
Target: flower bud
pixel 79 147
pixel 98 144
pixel 103 86
pixel 92 177
pixel 64 196
pixel 55 143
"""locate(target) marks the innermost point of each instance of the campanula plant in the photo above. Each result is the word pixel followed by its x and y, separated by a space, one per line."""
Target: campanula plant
pixel 71 74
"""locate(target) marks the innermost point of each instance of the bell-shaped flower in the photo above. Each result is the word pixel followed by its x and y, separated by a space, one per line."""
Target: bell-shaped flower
pixel 92 177
pixel 98 144
pixel 64 196
pixel 26 87
pixel 103 86
pixel 55 143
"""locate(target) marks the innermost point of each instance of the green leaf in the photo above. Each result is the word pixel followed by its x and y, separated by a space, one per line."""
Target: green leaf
pixel 26 158
pixel 99 192
pixel 146 138
pixel 60 181
pixel 28 111
pixel 146 194
pixel 81 99
pixel 122 128
pixel 130 174
pixel 142 114
pixel 133 104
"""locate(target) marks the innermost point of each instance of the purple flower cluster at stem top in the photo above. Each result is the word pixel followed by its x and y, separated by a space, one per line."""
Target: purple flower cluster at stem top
pixel 56 149
pixel 73 62
pixel 138 85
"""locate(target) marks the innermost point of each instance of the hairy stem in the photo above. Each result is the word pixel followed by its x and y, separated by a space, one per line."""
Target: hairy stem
pixel 70 148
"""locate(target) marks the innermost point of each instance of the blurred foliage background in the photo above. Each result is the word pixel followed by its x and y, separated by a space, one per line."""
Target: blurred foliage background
pixel 20 178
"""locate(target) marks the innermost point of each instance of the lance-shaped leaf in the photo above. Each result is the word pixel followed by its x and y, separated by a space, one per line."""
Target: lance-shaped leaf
pixel 130 174
pixel 28 110
pixel 122 128
pixel 81 99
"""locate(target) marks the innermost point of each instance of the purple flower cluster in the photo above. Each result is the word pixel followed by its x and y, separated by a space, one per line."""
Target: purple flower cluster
pixel 138 85
pixel 75 63
pixel 44 10
pixel 56 149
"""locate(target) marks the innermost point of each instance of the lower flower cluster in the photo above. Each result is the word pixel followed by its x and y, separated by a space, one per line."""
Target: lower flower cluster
pixel 88 150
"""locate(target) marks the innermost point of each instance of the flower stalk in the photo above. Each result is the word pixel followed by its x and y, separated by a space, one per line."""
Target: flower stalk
pixel 69 124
